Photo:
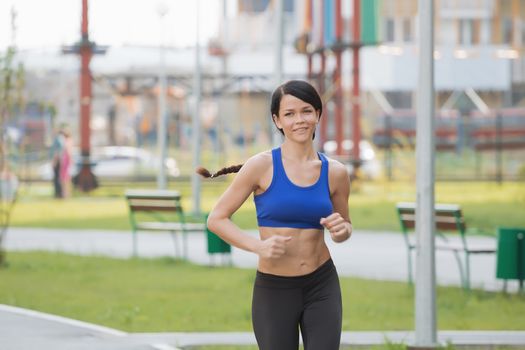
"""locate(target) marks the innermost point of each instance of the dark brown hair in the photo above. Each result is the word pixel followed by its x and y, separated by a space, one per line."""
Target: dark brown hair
pixel 297 88
pixel 227 170
pixel 301 89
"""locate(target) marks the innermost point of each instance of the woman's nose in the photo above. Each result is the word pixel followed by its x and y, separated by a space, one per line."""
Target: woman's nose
pixel 302 117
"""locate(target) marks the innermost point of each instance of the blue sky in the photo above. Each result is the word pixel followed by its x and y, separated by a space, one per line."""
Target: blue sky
pixel 51 23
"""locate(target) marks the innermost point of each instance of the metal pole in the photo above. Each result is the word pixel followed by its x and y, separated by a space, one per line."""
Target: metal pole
pixel 337 80
pixel 388 155
pixel 323 128
pixel 425 289
pixel 499 146
pixel 225 43
pixel 222 150
pixel 356 99
pixel 195 179
pixel 278 68
pixel 161 120
pixel 14 14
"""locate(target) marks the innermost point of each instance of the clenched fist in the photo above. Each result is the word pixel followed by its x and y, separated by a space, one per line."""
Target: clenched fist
pixel 339 228
pixel 273 247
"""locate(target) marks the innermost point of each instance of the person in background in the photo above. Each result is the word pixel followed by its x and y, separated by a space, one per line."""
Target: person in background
pixel 298 193
pixel 56 154
pixel 66 160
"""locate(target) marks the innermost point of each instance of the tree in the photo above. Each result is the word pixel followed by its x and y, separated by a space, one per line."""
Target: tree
pixel 11 86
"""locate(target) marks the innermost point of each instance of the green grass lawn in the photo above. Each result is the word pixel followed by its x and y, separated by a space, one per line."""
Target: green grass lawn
pixel 165 295
pixel 372 205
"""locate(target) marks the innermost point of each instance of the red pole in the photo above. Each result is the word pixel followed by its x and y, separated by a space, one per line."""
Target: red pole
pixel 356 108
pixel 324 120
pixel 85 180
pixel 339 130
pixel 85 83
pixel 84 29
pixel 85 100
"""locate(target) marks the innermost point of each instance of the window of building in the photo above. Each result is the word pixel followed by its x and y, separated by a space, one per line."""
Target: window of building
pixel 522 32
pixel 447 4
pixel 469 31
pixel 522 24
pixel 465 4
pixel 407 30
pixel 253 5
pixel 288 5
pixel 466 32
pixel 389 34
pixel 261 5
pixel 507 30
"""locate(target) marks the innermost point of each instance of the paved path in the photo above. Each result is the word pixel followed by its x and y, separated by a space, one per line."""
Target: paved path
pixel 22 329
pixel 377 255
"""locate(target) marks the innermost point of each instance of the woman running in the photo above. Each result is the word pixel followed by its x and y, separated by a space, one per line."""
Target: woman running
pixel 298 193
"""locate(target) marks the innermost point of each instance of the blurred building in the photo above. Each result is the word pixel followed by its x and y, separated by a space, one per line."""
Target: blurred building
pixel 479 60
pixel 478 47
pixel 479 67
pixel 479 73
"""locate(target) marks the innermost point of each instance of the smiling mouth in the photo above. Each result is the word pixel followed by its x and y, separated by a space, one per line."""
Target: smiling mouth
pixel 301 129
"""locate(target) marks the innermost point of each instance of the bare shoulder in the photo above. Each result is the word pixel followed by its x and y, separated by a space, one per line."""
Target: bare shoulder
pixel 338 177
pixel 258 163
pixel 262 158
pixel 337 169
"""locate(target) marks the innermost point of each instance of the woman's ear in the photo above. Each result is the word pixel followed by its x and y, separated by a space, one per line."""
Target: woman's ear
pixel 276 121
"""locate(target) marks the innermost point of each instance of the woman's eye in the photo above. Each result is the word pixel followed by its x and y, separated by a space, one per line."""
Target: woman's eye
pixel 288 114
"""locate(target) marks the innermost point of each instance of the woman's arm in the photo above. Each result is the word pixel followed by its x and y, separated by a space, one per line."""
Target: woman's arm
pixel 339 223
pixel 219 220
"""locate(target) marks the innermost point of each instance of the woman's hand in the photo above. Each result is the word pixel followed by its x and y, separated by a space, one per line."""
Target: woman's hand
pixel 339 228
pixel 273 247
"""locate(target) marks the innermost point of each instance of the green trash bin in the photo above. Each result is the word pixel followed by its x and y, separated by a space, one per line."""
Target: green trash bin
pixel 511 254
pixel 215 243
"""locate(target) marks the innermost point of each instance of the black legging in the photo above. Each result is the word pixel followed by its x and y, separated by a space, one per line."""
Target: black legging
pixel 283 304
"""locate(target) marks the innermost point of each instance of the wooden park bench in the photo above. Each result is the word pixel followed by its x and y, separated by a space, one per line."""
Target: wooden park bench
pixel 160 210
pixel 448 218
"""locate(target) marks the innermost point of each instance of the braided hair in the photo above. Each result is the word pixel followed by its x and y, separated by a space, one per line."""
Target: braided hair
pixel 226 170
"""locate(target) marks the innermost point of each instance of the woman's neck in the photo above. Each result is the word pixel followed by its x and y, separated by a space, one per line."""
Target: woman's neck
pixel 300 152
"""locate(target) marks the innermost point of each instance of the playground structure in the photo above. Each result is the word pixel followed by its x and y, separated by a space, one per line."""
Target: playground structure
pixel 497 132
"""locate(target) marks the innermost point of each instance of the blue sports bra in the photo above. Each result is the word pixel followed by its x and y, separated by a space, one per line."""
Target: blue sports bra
pixel 284 204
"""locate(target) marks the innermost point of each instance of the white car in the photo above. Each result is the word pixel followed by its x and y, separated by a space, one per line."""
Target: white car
pixel 119 162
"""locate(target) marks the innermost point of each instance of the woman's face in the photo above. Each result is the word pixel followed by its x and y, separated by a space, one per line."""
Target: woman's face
pixel 297 119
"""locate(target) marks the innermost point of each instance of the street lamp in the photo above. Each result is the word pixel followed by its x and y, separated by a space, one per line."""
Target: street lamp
pixel 278 56
pixel 195 180
pixel 162 10
pixel 425 289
